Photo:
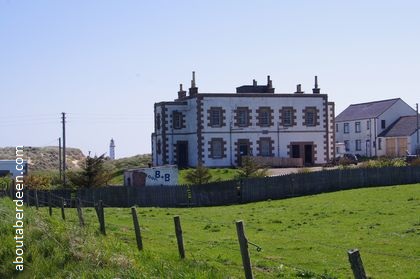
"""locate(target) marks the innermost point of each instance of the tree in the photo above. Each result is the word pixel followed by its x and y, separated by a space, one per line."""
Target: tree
pixel 198 176
pixel 251 168
pixel 94 174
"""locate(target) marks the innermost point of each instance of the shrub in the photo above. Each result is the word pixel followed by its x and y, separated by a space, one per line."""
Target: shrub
pixel 251 168
pixel 198 176
pixel 385 162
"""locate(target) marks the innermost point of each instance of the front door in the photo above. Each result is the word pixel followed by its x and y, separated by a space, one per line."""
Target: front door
pixel 304 150
pixel 182 154
pixel 308 154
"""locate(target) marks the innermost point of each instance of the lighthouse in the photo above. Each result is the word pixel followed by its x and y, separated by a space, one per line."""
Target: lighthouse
pixel 112 149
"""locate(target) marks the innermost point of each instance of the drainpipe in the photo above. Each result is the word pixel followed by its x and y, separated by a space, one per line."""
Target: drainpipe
pixel 278 140
pixel 230 143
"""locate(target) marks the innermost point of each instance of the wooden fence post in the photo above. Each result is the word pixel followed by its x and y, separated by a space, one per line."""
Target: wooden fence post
pixel 356 264
pixel 49 204
pixel 101 216
pixel 137 228
pixel 243 244
pixel 180 241
pixel 79 212
pixel 27 197
pixel 36 200
pixel 62 209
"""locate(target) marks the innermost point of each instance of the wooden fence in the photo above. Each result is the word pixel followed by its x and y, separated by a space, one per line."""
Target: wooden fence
pixel 237 191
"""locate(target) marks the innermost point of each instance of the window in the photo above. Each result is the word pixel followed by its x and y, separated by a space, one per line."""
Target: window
pixel 158 147
pixel 158 121
pixel 216 117
pixel 177 120
pixel 357 127
pixel 264 117
pixel 380 142
pixel 336 127
pixel 242 117
pixel 216 148
pixel 265 147
pixel 287 116
pixel 368 125
pixel 358 145
pixel 347 145
pixel 383 124
pixel 310 117
pixel 346 128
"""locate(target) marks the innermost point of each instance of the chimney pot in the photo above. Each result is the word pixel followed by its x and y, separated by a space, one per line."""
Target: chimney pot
pixel 194 89
pixel 316 89
pixel 299 88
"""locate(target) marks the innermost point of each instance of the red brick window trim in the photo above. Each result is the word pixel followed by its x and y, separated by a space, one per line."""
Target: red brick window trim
pixel 216 117
pixel 265 147
pixel 217 148
pixel 288 116
pixel 265 116
pixel 242 117
pixel 178 121
pixel 311 116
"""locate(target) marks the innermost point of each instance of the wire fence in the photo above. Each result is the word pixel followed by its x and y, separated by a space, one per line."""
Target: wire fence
pixel 276 262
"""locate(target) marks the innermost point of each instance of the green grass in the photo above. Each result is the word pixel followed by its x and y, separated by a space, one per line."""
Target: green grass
pixel 217 175
pixel 310 234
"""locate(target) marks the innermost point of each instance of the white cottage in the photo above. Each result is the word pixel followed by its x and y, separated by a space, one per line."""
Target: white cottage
pixel 217 129
pixel 358 126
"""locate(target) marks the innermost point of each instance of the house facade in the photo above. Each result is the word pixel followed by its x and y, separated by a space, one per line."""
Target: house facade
pixel 358 127
pixel 401 138
pixel 217 129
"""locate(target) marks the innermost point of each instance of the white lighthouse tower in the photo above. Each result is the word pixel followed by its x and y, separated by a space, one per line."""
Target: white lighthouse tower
pixel 112 150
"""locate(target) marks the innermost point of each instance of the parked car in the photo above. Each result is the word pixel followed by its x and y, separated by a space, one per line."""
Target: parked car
pixel 411 158
pixel 345 159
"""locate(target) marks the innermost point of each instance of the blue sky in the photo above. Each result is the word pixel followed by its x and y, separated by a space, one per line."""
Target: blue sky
pixel 106 63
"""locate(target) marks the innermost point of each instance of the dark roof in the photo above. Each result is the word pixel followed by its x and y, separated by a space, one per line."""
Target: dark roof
pixel 404 126
pixel 254 89
pixel 365 110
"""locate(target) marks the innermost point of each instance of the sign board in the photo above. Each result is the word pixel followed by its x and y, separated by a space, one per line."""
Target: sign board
pixel 155 176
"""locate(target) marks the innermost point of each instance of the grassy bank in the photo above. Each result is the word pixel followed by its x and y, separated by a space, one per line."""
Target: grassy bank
pixel 304 237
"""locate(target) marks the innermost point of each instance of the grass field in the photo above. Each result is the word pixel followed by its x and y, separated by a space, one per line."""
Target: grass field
pixel 304 237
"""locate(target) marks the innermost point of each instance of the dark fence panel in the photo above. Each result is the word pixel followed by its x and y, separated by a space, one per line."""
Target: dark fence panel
pixel 220 193
pixel 233 192
pixel 162 196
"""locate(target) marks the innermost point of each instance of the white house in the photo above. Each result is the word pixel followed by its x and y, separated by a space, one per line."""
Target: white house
pixel 216 129
pixel 359 125
pixel 401 138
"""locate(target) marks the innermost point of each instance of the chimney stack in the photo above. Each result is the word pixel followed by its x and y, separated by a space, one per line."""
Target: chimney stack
pixel 254 82
pixel 270 88
pixel 181 93
pixel 316 89
pixel 299 89
pixel 193 90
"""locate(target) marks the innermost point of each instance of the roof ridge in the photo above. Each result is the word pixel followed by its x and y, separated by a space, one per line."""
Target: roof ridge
pixel 372 102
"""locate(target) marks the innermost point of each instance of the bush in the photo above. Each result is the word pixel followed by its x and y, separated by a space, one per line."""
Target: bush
pixel 251 168
pixel 198 176
pixel 385 162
